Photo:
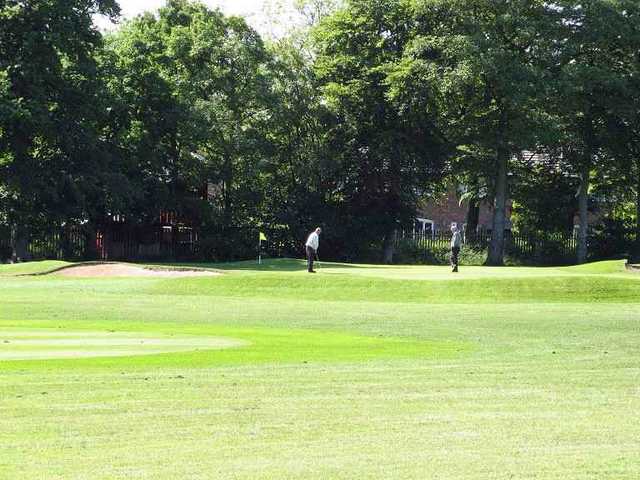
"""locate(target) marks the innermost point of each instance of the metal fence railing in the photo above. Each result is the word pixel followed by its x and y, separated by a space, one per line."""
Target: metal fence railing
pixel 55 244
pixel 180 242
pixel 124 242
pixel 540 248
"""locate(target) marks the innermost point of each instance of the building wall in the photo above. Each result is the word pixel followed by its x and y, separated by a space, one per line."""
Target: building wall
pixel 447 210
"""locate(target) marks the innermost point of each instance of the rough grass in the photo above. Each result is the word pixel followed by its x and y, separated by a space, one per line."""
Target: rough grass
pixel 357 372
pixel 31 268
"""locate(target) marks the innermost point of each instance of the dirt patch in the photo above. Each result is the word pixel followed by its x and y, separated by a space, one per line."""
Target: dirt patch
pixel 127 270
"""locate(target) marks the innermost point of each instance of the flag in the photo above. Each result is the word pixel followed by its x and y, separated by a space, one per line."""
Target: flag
pixel 263 237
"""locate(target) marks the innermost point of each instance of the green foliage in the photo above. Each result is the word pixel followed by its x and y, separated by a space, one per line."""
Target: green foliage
pixel 593 78
pixel 543 250
pixel 192 85
pixel 487 58
pixel 409 252
pixel 544 195
pixel 54 163
pixel 386 156
pixel 611 238
pixel 300 174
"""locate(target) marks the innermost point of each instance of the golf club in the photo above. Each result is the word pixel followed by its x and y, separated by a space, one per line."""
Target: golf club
pixel 317 261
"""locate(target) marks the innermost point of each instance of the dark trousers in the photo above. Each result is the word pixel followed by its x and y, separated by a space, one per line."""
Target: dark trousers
pixel 455 252
pixel 311 253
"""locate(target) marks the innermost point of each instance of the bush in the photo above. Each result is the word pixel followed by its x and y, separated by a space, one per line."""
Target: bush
pixel 541 252
pixel 222 248
pixel 611 239
pixel 408 252
pixel 470 255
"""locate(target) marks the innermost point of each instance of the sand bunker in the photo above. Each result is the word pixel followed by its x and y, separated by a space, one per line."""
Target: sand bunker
pixel 128 270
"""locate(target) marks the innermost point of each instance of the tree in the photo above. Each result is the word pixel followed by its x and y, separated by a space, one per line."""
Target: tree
pixel 193 86
pixel 299 175
pixel 590 88
pixel 386 156
pixel 622 124
pixel 544 194
pixel 152 123
pixel 221 66
pixel 52 158
pixel 482 63
pixel 292 20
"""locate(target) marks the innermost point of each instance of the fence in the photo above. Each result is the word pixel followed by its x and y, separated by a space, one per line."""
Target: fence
pixel 550 248
pixel 65 243
pixel 125 242
pixel 56 244
pixel 118 242
pixel 122 242
pixel 179 242
pixel 553 248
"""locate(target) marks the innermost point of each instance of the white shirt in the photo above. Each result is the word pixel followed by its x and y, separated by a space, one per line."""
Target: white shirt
pixel 313 241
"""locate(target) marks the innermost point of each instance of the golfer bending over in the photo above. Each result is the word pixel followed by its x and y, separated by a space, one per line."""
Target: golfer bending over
pixel 456 243
pixel 313 242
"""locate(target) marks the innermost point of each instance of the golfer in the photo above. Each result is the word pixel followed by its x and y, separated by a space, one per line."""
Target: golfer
pixel 456 243
pixel 313 242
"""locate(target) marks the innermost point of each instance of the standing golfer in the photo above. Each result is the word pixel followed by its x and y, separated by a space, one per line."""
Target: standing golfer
pixel 456 243
pixel 313 242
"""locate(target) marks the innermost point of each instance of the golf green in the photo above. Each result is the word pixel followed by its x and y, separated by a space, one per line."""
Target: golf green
pixel 360 371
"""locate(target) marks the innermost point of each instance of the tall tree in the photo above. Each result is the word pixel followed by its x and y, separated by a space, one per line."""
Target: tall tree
pixel 220 66
pixel 544 193
pixel 481 61
pixel 300 175
pixel 150 121
pixel 386 155
pixel 591 84
pixel 197 101
pixel 52 158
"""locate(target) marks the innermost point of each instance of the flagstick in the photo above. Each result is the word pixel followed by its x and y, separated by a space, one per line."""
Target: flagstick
pixel 260 252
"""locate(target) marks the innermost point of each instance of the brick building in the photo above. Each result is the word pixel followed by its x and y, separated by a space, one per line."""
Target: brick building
pixel 437 215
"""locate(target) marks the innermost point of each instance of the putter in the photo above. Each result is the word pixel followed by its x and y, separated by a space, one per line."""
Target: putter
pixel 318 261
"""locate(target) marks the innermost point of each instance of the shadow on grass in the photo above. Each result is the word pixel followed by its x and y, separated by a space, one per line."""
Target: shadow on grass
pixel 272 265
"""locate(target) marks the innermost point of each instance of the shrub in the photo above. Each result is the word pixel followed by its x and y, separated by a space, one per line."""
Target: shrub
pixel 408 252
pixel 611 239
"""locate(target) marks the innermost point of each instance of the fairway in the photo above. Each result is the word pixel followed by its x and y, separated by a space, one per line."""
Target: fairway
pixel 360 371
pixel 17 344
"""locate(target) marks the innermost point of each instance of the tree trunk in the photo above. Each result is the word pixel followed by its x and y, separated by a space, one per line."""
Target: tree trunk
pixel 227 181
pixel 389 247
pixel 496 247
pixel 472 220
pixel 583 209
pixel 66 246
pixel 635 258
pixel 583 193
pixel 91 239
pixel 20 244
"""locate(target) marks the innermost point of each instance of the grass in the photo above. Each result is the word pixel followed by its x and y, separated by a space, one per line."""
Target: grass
pixel 32 268
pixel 357 372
